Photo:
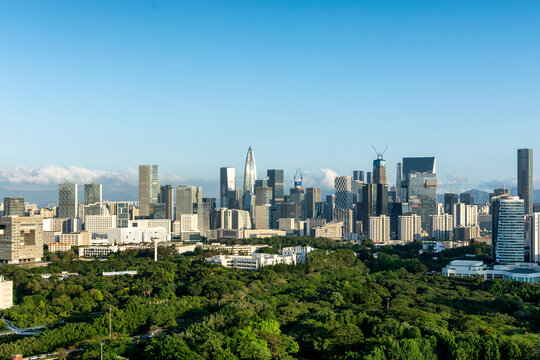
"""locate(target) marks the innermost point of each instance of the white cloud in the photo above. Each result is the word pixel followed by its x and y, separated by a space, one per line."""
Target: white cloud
pixel 53 175
pixel 324 180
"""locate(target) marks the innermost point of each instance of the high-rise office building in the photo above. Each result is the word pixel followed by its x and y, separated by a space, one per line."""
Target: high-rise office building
pixel 235 199
pixel 263 195
pixel 148 188
pixel 379 170
pixel 358 175
pixel 276 182
pixel 508 230
pixel 343 191
pixel 21 238
pixel 187 200
pixel 313 197
pixel 369 178
pixel 167 197
pixel 525 178
pixel 14 206
pixel 399 177
pixel 498 192
pixel 419 186
pixel 466 198
pixel 250 172
pixel 122 214
pixel 535 238
pixel 67 201
pixel 227 183
pixel 93 194
pixel 449 200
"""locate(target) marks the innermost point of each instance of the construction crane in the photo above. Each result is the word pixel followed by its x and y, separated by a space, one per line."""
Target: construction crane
pixel 298 178
pixel 379 154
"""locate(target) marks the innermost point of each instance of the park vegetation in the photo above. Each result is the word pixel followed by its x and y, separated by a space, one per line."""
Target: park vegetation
pixel 348 301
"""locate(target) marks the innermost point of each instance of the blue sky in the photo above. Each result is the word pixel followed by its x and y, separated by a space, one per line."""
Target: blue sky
pixel 189 85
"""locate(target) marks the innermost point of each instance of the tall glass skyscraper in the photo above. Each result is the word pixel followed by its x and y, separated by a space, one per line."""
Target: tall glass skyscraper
pixel 93 194
pixel 276 182
pixel 250 173
pixel 525 178
pixel 508 235
pixel 67 201
pixel 148 188
pixel 227 183
pixel 419 186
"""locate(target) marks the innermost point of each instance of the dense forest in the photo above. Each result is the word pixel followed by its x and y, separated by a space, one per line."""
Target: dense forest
pixel 346 302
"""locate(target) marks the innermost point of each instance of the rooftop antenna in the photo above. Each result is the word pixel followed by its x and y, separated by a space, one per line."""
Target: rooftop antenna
pixel 379 154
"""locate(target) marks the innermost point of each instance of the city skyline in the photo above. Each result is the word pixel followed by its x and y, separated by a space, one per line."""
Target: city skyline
pixel 127 179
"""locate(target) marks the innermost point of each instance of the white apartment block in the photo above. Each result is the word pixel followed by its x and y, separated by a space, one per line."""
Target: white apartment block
pixel 99 225
pixel 441 227
pixel 410 228
pixel 379 229
pixel 151 223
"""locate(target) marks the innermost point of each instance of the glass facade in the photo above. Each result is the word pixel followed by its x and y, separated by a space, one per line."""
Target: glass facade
pixel 276 182
pixel 508 236
pixel 422 195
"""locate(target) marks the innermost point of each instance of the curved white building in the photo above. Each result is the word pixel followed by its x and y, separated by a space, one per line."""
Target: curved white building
pixel 250 173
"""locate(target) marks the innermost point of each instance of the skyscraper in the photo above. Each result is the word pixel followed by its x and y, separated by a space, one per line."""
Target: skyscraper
pixel 276 182
pixel 525 178
pixel 466 198
pixel 313 196
pixel 379 171
pixel 358 175
pixel 167 197
pixel 227 182
pixel 93 193
pixel 508 235
pixel 399 178
pixel 250 172
pixel 187 200
pixel 14 206
pixel 148 188
pixel 419 186
pixel 343 191
pixel 449 200
pixel 67 201
pixel 535 238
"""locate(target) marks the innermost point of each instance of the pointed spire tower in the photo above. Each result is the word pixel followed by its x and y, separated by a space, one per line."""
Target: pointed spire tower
pixel 250 173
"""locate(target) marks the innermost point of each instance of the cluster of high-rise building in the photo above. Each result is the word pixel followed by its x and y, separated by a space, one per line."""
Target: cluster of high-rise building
pixel 361 206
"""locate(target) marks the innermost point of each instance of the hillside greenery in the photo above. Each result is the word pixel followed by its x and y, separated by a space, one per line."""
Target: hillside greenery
pixel 347 302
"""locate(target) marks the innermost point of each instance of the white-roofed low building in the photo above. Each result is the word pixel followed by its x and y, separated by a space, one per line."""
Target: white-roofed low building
pixel 252 262
pixel 300 252
pixel 524 272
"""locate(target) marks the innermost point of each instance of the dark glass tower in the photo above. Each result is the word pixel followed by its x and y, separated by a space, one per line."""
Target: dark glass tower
pixel 525 178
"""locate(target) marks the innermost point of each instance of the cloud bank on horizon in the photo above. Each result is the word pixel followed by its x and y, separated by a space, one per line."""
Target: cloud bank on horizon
pixel 49 176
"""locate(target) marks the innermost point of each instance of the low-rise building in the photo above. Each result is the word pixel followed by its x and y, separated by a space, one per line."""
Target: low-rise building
pixel 524 272
pixel 300 252
pixel 97 251
pixel 80 238
pixel 333 231
pixel 252 262
pixel 54 247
